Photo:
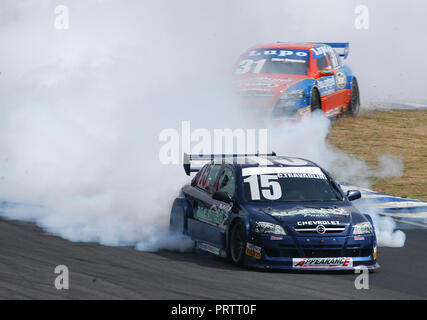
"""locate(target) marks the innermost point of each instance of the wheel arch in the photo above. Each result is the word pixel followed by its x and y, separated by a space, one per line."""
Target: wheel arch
pixel 246 223
pixel 182 202
pixel 316 88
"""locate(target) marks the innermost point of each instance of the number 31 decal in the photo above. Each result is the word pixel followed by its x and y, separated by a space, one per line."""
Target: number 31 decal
pixel 270 187
pixel 245 66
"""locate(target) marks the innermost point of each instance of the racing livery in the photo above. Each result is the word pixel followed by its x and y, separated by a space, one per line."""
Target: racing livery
pixel 272 212
pixel 290 81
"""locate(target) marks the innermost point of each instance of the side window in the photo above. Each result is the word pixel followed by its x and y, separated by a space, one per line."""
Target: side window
pixel 333 59
pixel 208 176
pixel 196 178
pixel 322 63
pixel 227 182
pixel 202 176
pixel 212 176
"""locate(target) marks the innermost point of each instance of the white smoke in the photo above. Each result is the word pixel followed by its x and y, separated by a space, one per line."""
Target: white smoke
pixel 307 139
pixel 81 109
pixel 385 227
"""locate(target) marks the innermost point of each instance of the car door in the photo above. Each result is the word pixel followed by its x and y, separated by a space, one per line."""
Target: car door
pixel 341 96
pixel 207 214
pixel 220 212
pixel 332 86
pixel 326 84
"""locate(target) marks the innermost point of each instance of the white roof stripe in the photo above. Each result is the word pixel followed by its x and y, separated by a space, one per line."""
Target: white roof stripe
pixel 250 171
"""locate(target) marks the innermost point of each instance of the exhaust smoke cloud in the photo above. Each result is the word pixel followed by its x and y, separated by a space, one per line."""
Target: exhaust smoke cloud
pixel 81 109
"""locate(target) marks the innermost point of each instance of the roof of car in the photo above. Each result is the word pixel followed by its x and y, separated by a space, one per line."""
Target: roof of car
pixel 285 45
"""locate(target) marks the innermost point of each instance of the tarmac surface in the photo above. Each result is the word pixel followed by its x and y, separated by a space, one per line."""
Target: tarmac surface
pixel 28 257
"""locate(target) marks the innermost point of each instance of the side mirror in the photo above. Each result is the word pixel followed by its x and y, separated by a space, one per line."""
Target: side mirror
pixel 326 72
pixel 222 196
pixel 353 195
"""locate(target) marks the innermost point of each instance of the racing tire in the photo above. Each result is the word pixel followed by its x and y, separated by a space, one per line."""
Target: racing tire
pixel 316 102
pixel 238 243
pixel 354 105
pixel 177 218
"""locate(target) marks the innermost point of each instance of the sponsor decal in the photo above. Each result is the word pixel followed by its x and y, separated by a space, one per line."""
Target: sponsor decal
pixel 320 51
pixel 333 112
pixel 358 238
pixel 288 53
pixel 207 247
pixel 313 263
pixel 264 79
pixel 258 84
pixel 326 85
pixel 313 212
pixel 301 175
pixel 210 215
pixel 288 60
pixel 305 111
pixel 276 238
pixel 341 79
pixel 253 251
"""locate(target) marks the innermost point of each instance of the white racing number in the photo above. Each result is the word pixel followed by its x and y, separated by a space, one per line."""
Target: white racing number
pixel 291 162
pixel 250 66
pixel 270 187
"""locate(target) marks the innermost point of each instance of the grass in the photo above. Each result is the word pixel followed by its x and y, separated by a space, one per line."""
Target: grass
pixel 402 133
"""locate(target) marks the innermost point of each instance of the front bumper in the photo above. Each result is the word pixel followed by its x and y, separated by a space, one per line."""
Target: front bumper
pixel 314 252
pixel 291 109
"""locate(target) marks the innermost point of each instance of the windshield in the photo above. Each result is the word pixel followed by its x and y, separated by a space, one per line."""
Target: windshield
pixel 288 184
pixel 276 61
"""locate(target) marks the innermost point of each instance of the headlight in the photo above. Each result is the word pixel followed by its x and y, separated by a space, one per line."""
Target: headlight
pixel 362 228
pixel 270 228
pixel 293 94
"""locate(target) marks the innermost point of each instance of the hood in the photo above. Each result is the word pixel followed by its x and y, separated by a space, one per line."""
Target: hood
pixel 260 92
pixel 297 219
pixel 267 83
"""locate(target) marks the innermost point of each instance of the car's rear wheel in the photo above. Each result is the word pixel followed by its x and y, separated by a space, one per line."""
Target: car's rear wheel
pixel 316 103
pixel 177 218
pixel 354 105
pixel 238 243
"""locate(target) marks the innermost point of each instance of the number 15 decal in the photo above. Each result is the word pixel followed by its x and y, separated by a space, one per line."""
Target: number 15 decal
pixel 270 187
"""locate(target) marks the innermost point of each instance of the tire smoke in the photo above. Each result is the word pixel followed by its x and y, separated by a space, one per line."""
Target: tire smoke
pixel 81 109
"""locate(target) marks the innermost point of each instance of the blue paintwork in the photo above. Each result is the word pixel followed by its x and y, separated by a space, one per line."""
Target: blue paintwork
pixel 326 85
pixel 218 234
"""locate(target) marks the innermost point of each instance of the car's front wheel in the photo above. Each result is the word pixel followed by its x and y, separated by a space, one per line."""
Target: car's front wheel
pixel 238 243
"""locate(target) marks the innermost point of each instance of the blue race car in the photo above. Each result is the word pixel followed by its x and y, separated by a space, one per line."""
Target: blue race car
pixel 269 211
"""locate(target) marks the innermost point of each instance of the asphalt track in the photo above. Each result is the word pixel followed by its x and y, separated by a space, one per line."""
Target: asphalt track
pixel 28 257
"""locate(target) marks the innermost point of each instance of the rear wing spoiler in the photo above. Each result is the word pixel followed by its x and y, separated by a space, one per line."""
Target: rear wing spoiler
pixel 203 159
pixel 341 48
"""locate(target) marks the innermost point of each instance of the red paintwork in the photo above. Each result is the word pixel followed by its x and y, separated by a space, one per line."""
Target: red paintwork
pixel 246 83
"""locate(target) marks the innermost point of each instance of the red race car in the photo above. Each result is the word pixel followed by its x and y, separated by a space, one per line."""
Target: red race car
pixel 290 81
